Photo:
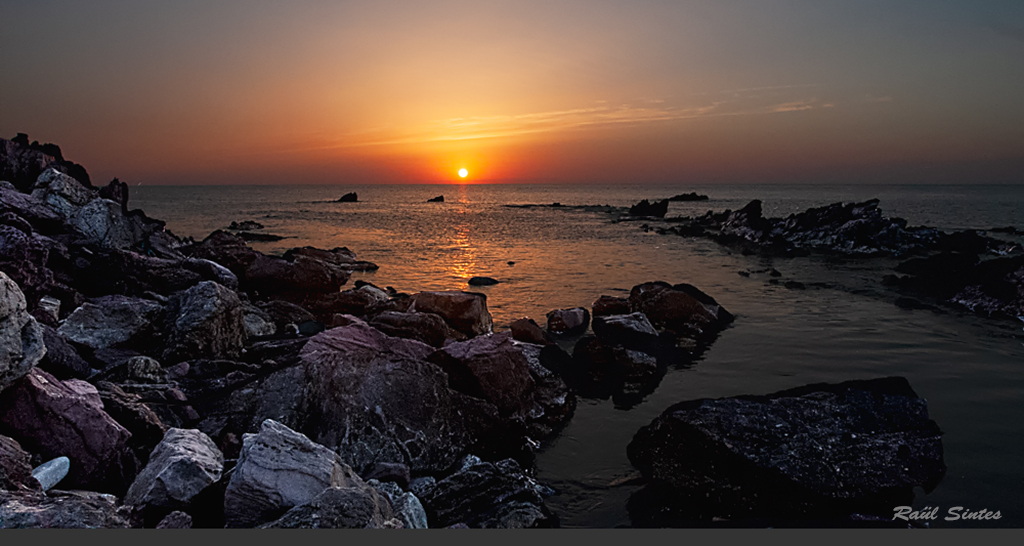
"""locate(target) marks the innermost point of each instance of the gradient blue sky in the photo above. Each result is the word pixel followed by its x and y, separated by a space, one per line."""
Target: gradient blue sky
pixel 531 91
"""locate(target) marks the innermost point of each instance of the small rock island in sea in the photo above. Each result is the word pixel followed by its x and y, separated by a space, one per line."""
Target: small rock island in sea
pixel 151 381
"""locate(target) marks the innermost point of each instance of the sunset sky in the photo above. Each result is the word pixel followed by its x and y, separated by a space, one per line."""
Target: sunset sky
pixel 227 92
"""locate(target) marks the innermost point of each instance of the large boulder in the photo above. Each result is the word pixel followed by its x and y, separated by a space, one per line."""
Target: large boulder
pixel 682 309
pixel 62 359
pixel 60 510
pixel 21 337
pixel 66 418
pixel 425 327
pixel 184 463
pixel 464 311
pixel 36 212
pixel 280 469
pixel 270 276
pixel 206 321
pixel 110 321
pixel 23 257
pixel 132 413
pixel 116 271
pixel 816 451
pixel 357 302
pixel 225 249
pixel 63 194
pixel 377 399
pixel 490 367
pixel 101 222
pixel 610 305
pixel 632 331
pixel 488 495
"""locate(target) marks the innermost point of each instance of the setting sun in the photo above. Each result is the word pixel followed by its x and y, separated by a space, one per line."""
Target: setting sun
pixel 463 173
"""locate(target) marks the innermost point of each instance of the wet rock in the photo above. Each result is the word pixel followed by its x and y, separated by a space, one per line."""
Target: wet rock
pixel 280 469
pixel 492 368
pixel 339 256
pixel 207 322
pixel 553 402
pixel 488 495
pixel 991 287
pixel 609 305
pixel 568 321
pixel 815 451
pixel 657 209
pixel 482 281
pixel 15 467
pixel 22 344
pixel 632 331
pixel 463 311
pixel 528 331
pixel 184 463
pixel 359 507
pixel 60 510
pixel 425 327
pixel 682 309
pixel 51 472
pixel 438 199
pixel 111 321
pixel 350 197
pixel 66 418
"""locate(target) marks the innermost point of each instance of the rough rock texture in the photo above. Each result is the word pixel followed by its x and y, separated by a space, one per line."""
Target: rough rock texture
pixel 492 368
pixel 283 313
pixel 101 222
pixel 488 495
pixel 819 450
pixel 15 467
pixel 464 311
pixel 184 463
pixel 610 305
pixel 568 321
pixel 340 256
pixel 129 411
pixel 21 338
pixel 280 469
pixel 553 402
pixel 63 194
pixel 359 507
pixel 425 327
pixel 991 287
pixel 56 418
pixel 528 331
pixel 60 510
pixel 207 321
pixel 407 508
pixel 176 520
pixel 114 271
pixel 111 321
pixel 24 257
pixel 682 309
pixel 269 276
pixel 61 359
pixel 36 212
pixel 376 399
pixel 632 331
pixel 257 321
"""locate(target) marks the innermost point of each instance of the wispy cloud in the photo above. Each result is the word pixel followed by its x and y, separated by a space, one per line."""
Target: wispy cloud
pixel 601 114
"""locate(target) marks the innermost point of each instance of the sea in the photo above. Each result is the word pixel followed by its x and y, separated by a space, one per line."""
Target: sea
pixel 844 325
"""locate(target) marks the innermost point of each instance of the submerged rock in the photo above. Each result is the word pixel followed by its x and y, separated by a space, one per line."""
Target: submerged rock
pixel 823 450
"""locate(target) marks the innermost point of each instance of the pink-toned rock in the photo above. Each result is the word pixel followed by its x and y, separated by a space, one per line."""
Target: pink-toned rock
pixel 65 418
pixel 528 331
pixel 568 321
pixel 682 308
pixel 15 467
pixel 464 311
pixel 610 305
pixel 492 368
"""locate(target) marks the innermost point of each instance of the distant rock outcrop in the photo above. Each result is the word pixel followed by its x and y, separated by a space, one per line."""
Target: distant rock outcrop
pixel 438 199
pixel 350 197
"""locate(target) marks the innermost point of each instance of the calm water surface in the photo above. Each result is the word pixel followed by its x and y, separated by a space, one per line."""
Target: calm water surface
pixel 971 370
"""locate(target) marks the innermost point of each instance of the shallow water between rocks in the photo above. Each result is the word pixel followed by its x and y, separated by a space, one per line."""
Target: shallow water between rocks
pixel 843 326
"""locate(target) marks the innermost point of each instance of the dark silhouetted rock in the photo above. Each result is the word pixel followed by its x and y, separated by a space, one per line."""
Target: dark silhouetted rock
pixel 488 495
pixel 117 192
pixel 389 472
pixel 815 451
pixel 464 311
pixel 568 321
pixel 66 418
pixel 61 359
pixel 632 331
pixel 438 199
pixel 692 196
pixel 657 209
pixel 132 413
pixel 350 197
pixel 482 281
pixel 245 225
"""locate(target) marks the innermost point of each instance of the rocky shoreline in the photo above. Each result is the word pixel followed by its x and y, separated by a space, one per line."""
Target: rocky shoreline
pixel 151 381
